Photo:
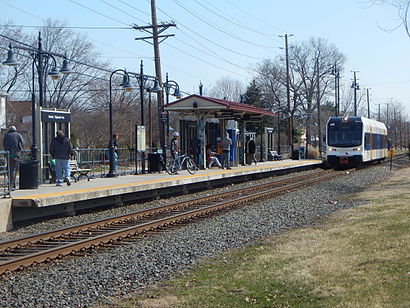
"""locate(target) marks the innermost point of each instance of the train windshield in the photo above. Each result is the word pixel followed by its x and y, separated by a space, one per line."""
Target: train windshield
pixel 344 134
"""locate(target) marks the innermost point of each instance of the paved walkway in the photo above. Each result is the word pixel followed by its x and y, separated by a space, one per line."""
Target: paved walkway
pixel 162 179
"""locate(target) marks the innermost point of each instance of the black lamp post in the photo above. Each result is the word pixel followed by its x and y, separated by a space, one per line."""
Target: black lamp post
pixel 126 86
pixel 38 55
pixel 142 79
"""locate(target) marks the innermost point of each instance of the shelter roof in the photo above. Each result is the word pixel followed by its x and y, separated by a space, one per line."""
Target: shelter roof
pixel 218 108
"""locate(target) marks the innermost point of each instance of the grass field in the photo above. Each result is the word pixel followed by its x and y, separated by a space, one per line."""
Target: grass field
pixel 356 258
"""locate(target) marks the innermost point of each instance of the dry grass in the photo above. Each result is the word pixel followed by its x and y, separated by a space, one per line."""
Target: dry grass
pixel 356 258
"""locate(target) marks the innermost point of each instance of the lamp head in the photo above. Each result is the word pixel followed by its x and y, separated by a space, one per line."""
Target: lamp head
pixel 54 73
pixel 66 69
pixel 155 88
pixel 11 58
pixel 177 94
pixel 126 84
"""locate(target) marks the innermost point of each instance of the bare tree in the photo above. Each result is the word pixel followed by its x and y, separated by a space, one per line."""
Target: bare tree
pixel 227 88
pixel 311 63
pixel 79 88
pixel 402 6
pixel 11 76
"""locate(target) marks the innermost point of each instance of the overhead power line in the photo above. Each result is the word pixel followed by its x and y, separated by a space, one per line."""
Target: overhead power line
pixel 202 60
pixel 133 7
pixel 219 28
pixel 68 27
pixel 231 20
pixel 96 12
pixel 213 55
pixel 122 11
pixel 235 5
pixel 21 10
pixel 206 39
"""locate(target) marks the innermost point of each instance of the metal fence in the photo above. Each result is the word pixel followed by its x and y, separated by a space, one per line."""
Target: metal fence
pixel 5 187
pixel 98 161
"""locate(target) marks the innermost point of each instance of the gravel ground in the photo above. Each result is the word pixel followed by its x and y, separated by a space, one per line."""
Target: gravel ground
pixel 85 281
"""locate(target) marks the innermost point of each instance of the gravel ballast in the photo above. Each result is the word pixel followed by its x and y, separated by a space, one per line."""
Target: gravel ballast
pixel 84 281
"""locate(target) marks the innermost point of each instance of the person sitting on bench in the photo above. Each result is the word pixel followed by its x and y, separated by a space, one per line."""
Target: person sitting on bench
pixel 211 158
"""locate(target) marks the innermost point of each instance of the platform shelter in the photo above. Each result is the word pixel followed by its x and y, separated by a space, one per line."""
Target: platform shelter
pixel 204 120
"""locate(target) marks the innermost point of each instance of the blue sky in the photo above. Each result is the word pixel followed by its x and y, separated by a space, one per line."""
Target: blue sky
pixel 355 27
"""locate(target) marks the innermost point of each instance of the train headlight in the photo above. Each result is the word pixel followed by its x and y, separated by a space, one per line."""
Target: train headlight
pixel 357 149
pixel 332 149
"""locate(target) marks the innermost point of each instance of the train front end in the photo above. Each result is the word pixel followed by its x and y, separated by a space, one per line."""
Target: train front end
pixel 344 141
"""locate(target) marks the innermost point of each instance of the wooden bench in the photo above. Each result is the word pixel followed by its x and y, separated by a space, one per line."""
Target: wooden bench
pixel 76 172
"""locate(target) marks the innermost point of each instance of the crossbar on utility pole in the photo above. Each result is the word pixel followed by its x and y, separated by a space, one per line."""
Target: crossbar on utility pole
pixel 355 87
pixel 154 30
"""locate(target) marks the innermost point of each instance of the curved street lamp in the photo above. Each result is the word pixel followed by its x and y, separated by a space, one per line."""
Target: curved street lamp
pixel 38 55
pixel 142 80
pixel 126 85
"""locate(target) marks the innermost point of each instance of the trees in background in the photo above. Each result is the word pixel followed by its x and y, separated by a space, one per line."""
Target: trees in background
pixel 85 91
pixel 227 88
pixel 311 82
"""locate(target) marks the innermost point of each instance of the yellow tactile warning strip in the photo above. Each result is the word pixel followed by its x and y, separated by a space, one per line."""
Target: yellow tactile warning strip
pixel 182 177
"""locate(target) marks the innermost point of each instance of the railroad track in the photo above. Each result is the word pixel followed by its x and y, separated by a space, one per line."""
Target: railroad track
pixel 31 250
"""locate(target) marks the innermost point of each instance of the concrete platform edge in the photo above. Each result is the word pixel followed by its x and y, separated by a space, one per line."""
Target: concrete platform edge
pixel 6 222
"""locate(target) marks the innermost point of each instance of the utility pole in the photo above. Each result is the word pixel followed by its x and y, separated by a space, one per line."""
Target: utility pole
pixel 395 127
pixel 318 108
pixel 336 73
pixel 368 102
pixel 400 132
pixel 155 30
pixel 289 113
pixel 355 87
pixel 378 117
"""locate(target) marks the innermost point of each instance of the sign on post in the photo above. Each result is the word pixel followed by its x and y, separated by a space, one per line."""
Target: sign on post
pixel 141 145
pixel 164 117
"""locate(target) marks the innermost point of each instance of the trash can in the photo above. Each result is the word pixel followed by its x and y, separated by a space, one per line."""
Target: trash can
pixel 295 154
pixel 154 162
pixel 28 174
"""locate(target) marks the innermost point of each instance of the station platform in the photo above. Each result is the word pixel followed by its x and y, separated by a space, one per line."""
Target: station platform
pixel 50 199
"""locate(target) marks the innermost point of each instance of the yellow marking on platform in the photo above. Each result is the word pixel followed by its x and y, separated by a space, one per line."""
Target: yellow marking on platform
pixel 83 190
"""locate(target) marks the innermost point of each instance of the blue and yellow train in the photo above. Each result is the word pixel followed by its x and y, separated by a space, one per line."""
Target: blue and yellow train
pixel 352 141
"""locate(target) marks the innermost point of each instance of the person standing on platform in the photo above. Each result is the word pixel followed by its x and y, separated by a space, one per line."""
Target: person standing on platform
pixel 13 142
pixel 60 150
pixel 226 151
pixel 175 151
pixel 115 138
pixel 251 150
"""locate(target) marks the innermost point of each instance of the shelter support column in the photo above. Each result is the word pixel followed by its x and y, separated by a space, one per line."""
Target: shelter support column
pixel 241 143
pixel 201 136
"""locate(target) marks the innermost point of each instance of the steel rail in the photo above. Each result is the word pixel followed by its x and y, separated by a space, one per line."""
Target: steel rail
pixel 130 231
pixel 32 239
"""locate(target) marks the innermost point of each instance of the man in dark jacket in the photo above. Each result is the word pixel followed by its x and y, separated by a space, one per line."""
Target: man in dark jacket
pixel 250 151
pixel 13 142
pixel 60 150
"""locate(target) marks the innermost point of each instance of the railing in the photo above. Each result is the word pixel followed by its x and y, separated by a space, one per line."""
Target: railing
pixel 5 187
pixel 98 161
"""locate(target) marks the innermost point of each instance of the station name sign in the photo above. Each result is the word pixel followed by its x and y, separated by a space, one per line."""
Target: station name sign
pixel 55 116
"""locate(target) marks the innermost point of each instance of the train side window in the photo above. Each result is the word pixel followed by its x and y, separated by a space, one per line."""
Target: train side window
pixel 367 141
